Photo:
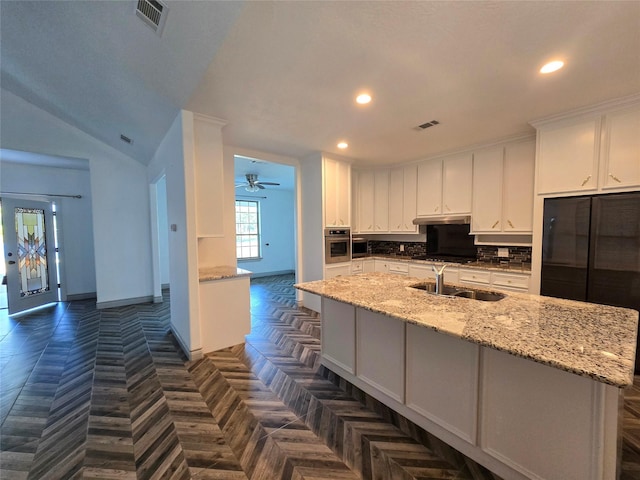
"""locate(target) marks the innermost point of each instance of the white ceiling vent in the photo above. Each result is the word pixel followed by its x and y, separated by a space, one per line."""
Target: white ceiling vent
pixel 153 13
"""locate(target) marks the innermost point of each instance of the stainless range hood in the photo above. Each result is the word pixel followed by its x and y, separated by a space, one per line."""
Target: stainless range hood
pixel 443 220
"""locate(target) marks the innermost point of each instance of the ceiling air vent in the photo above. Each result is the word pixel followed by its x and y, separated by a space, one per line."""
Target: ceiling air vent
pixel 426 125
pixel 153 13
pixel 126 139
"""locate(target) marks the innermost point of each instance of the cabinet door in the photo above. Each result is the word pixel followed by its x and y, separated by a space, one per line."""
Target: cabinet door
pixel 487 190
pixel 431 388
pixel 365 201
pixel 517 196
pixel 343 194
pixel 621 150
pixel 396 200
pixel 380 266
pixel 381 201
pixel 568 157
pixel 409 192
pixel 429 196
pixel 330 180
pixel 421 271
pixel 332 271
pixel 379 339
pixel 457 177
pixel 339 334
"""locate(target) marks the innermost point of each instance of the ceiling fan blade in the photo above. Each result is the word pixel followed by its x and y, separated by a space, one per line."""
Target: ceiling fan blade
pixel 267 183
pixel 259 186
pixel 241 185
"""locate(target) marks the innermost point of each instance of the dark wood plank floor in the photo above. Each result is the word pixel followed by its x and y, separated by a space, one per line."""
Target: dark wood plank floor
pixel 88 393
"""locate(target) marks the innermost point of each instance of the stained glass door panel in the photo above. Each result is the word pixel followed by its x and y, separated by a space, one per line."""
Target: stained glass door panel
pixel 29 254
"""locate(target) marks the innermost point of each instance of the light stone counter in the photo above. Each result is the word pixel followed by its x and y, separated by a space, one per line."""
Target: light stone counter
pixel 591 340
pixel 219 272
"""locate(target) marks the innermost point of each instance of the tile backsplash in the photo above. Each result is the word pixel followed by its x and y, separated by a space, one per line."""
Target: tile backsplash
pixel 485 253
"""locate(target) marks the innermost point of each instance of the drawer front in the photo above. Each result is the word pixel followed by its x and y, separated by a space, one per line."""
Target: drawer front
pixel 357 267
pixel 511 280
pixel 475 276
pixel 402 268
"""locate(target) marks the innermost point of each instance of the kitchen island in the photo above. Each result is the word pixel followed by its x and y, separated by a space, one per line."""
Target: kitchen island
pixel 528 386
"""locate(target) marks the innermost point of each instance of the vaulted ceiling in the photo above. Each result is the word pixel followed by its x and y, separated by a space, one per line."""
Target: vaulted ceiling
pixel 284 74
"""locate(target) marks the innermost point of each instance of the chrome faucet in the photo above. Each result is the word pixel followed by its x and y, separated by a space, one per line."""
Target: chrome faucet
pixel 439 278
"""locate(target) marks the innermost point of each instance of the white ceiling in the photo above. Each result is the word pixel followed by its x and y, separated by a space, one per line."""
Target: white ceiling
pixel 284 74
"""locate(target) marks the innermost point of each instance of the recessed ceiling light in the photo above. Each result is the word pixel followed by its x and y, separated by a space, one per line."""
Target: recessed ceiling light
pixel 363 98
pixel 552 66
pixel 343 145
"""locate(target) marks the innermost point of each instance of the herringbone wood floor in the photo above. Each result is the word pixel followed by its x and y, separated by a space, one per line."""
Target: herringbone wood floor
pixel 88 393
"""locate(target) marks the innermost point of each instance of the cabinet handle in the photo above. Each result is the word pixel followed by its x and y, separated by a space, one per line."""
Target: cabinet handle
pixel 435 209
pixel 369 227
pixel 510 224
pixel 615 178
pixel 495 224
pixel 447 207
pixel 585 181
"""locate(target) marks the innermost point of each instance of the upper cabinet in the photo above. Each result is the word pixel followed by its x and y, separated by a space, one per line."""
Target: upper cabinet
pixel 403 182
pixel 598 152
pixel 445 186
pixel 372 201
pixel 620 157
pixel 336 193
pixel 503 188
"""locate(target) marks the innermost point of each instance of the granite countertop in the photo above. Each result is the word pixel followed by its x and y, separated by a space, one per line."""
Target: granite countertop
pixel 591 340
pixel 219 272
pixel 516 268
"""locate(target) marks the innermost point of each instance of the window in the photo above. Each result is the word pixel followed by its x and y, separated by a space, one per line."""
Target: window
pixel 247 229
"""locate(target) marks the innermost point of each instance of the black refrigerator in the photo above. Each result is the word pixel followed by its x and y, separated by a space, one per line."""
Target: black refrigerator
pixel 591 250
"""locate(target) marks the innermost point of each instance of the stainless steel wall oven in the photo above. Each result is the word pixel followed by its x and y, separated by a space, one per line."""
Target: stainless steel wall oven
pixel 337 245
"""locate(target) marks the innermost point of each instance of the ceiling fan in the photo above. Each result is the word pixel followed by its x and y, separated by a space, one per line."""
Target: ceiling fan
pixel 253 184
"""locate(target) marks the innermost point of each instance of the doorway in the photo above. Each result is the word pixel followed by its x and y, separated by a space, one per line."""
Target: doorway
pixel 160 241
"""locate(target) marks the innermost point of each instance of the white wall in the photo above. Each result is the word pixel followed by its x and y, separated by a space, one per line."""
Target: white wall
pixel 119 197
pixel 163 230
pixel 277 215
pixel 74 218
pixel 169 161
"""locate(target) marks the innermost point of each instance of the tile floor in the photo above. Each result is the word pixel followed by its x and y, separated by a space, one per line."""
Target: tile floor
pixel 88 393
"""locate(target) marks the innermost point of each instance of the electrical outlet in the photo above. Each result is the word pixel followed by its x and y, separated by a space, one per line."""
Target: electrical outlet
pixel 503 252
pixel 401 247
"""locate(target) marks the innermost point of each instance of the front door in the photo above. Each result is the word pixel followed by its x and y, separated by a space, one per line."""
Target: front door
pixel 29 249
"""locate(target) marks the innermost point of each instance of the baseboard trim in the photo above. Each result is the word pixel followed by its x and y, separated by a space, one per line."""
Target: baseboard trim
pixel 157 299
pixel 192 355
pixel 124 302
pixel 269 274
pixel 81 296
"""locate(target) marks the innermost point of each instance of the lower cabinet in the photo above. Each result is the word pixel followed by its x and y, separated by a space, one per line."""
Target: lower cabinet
pixel 339 334
pixel 332 271
pixel 518 418
pixel 378 339
pixel 431 388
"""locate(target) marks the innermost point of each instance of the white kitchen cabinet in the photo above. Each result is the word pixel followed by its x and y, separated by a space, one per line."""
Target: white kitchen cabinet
pixel 399 268
pixel 381 201
pixel 377 334
pixel 402 199
pixel 510 281
pixel 339 334
pixel 593 153
pixel 380 266
pixel 421 271
pixel 368 265
pixel 488 169
pixel 503 180
pixel 429 195
pixel 362 266
pixel 517 186
pixel 366 196
pixel 336 193
pixel 332 271
pixel 568 156
pixel 373 201
pixel 445 186
pixel 515 282
pixel 620 157
pixel 430 388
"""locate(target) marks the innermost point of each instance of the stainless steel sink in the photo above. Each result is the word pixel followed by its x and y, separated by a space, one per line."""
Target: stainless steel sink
pixel 451 291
